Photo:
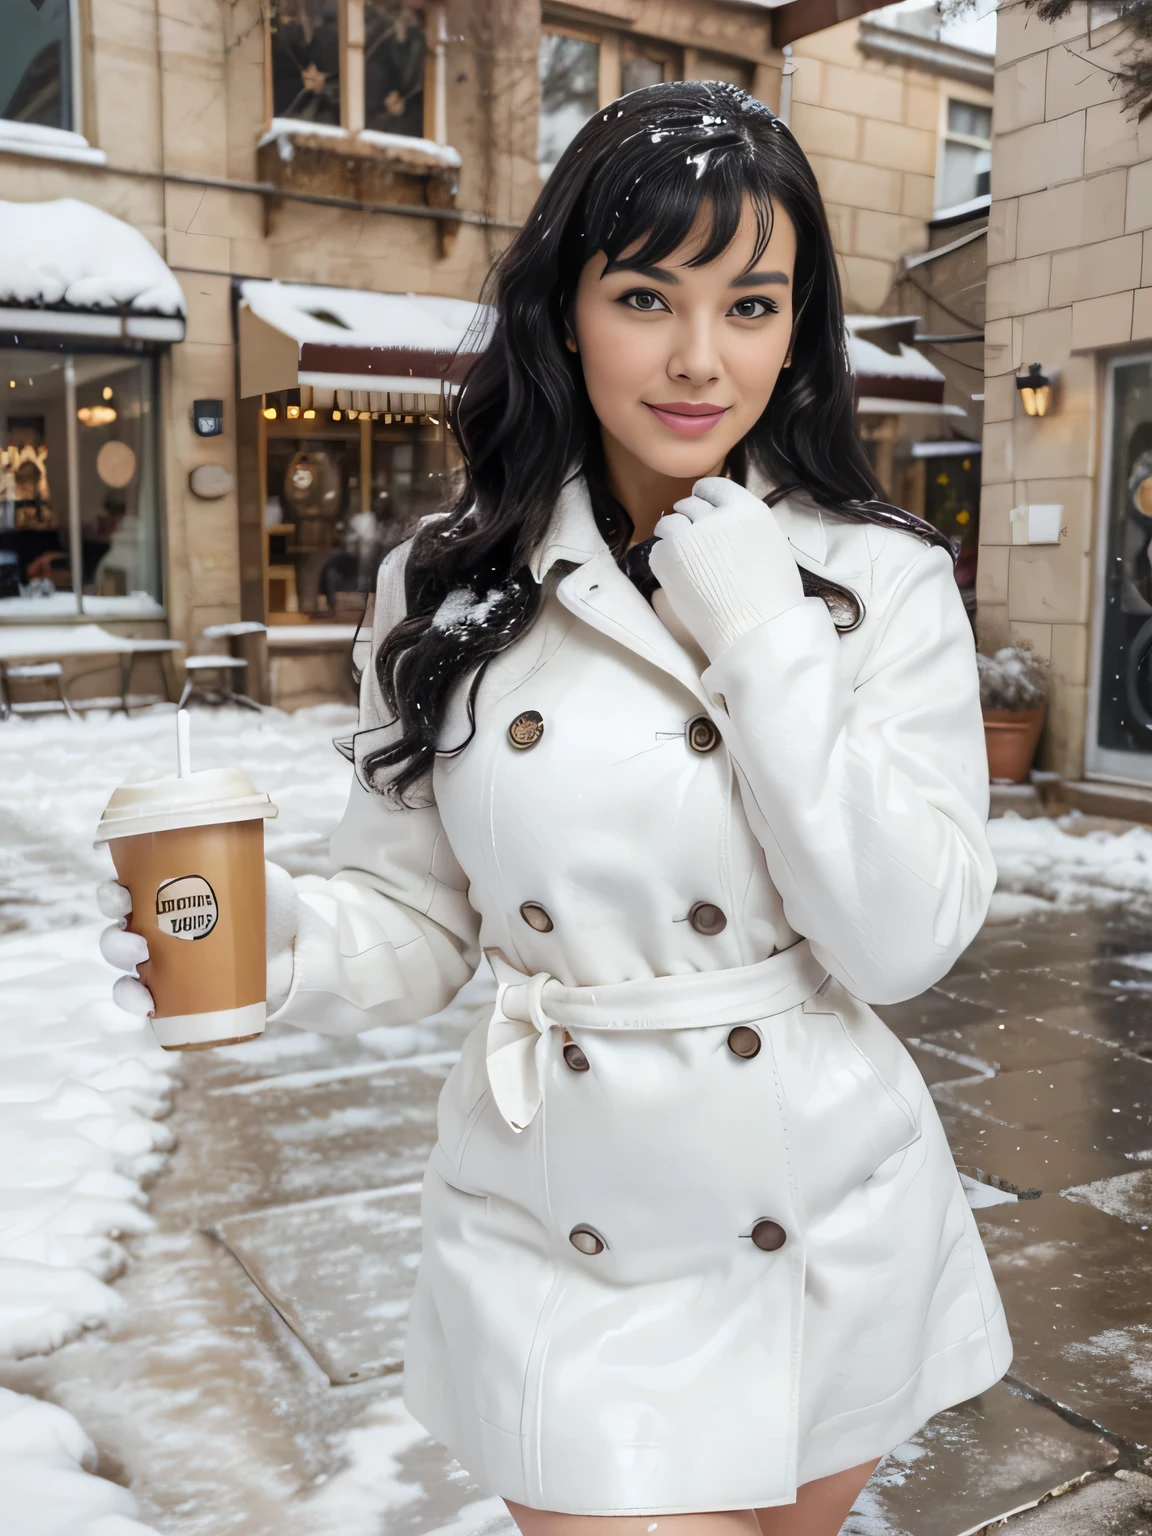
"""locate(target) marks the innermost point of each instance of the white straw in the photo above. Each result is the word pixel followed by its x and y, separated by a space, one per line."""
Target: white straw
pixel 183 744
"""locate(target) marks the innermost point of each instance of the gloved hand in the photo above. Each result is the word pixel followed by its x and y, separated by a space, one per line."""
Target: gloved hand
pixel 126 950
pixel 724 564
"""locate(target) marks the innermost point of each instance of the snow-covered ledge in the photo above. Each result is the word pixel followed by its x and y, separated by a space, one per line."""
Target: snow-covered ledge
pixel 287 132
pixel 48 143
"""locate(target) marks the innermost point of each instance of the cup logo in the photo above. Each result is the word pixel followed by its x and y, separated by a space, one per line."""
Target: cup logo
pixel 186 908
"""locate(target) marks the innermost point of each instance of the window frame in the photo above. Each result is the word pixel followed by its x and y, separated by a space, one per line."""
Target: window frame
pixel 953 90
pixel 353 106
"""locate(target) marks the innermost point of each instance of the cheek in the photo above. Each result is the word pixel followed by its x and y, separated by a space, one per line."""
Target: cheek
pixel 755 366
pixel 617 357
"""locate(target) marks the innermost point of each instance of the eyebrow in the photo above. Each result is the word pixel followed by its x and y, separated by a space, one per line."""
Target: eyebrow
pixel 663 275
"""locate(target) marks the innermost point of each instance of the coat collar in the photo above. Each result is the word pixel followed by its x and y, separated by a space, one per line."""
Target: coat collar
pixel 573 535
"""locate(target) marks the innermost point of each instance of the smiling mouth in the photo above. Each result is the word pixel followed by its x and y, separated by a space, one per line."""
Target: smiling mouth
pixel 687 419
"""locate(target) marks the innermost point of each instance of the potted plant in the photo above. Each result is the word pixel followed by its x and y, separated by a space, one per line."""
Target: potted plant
pixel 1013 693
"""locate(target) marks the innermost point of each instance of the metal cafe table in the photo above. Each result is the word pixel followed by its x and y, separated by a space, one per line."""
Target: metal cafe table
pixel 26 648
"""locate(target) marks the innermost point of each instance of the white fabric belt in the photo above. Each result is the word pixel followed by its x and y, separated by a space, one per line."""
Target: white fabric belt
pixel 528 1006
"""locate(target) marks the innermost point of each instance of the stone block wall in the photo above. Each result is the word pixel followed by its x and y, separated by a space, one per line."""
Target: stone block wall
pixel 1069 284
pixel 870 129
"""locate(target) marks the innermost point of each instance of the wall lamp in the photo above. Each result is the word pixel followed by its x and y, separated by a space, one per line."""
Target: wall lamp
pixel 1035 388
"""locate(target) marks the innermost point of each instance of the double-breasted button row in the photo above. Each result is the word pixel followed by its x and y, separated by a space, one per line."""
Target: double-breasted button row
pixel 705 917
pixel 767 1235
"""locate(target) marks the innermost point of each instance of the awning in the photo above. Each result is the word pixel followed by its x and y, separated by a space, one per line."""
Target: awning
pixel 888 369
pixel 70 269
pixel 334 341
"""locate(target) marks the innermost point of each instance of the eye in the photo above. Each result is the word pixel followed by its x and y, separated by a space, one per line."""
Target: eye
pixel 644 300
pixel 754 309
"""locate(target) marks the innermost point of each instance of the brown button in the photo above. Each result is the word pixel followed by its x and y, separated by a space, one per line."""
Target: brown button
pixel 587 1240
pixel 702 735
pixel 707 918
pixel 575 1057
pixel 536 917
pixel 743 1041
pixel 526 730
pixel 769 1235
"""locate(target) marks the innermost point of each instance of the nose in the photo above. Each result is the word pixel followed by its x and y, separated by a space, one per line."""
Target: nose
pixel 695 357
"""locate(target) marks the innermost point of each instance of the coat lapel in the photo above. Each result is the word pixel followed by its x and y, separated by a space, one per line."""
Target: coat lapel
pixel 601 595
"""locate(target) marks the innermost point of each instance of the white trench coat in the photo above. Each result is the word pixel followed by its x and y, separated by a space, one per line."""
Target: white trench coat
pixel 682 1052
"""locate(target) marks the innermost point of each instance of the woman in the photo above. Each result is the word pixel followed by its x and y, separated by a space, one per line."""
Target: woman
pixel 695 1250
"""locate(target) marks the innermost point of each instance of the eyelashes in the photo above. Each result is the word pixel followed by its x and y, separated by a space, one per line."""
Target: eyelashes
pixel 646 302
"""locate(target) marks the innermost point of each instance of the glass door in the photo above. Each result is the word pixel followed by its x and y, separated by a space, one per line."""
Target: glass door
pixel 1120 709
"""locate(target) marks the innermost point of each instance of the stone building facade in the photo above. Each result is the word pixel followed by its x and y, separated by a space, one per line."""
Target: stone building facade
pixel 1070 290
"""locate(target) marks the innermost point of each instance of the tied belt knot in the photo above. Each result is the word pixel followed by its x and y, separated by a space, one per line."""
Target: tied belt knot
pixel 528 1007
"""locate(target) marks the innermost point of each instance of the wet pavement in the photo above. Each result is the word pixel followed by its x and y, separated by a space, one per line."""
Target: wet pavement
pixel 252 1385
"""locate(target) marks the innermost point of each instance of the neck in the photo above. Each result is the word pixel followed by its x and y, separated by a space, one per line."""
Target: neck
pixel 644 493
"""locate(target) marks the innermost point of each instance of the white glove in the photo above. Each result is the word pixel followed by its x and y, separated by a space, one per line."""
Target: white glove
pixel 126 950
pixel 724 564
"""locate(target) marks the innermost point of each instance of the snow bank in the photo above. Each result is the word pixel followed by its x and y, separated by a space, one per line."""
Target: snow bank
pixel 1042 867
pixel 45 1464
pixel 68 252
pixel 83 1086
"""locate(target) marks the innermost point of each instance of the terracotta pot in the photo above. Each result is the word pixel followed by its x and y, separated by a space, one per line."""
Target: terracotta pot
pixel 1012 736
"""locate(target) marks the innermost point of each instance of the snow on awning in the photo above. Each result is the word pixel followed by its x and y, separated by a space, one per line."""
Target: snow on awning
pixel 296 334
pixel 69 269
pixel 888 368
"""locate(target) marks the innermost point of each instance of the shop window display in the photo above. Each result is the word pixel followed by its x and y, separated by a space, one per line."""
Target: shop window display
pixel 342 489
pixel 394 55
pixel 36 64
pixel 305 54
pixel 89 548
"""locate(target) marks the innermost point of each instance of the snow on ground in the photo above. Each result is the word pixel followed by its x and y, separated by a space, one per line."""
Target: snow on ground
pixel 1043 867
pixel 83 1086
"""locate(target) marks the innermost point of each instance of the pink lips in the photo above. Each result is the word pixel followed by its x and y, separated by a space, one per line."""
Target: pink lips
pixel 687 419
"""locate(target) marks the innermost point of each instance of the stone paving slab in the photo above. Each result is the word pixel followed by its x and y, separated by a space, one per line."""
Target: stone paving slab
pixel 1075 1286
pixel 339 1271
pixel 1103 1102
pixel 1024 1159
pixel 1120 1505
pixel 979 1462
pixel 1012 1043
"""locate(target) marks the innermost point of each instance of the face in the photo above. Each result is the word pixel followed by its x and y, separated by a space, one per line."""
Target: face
pixel 680 361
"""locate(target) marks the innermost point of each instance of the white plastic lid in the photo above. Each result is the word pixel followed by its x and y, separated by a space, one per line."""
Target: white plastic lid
pixel 198 800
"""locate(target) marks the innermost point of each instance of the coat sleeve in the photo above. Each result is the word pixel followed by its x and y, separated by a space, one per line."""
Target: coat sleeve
pixel 390 937
pixel 867 784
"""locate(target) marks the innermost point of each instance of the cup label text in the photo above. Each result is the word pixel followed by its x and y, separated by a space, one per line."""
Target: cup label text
pixel 186 908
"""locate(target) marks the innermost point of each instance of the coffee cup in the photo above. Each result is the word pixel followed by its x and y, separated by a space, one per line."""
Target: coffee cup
pixel 190 849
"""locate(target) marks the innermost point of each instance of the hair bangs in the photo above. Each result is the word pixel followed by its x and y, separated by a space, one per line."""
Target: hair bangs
pixel 657 199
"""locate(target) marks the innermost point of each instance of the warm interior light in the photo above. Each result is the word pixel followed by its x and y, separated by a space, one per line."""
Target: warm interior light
pixel 292 412
pixel 335 415
pixel 1035 390
pixel 309 415
pixel 352 415
pixel 11 383
pixel 269 413
pixel 435 420
pixel 96 415
pixel 107 391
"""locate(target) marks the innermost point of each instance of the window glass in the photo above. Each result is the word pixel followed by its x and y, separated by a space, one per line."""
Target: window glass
pixel 305 52
pixel 117 562
pixel 569 92
pixel 36 63
pixel 966 173
pixel 394 50
pixel 966 117
pixel 343 489
pixel 638 68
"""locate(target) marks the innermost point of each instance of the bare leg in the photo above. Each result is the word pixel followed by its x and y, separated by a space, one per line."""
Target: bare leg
pixel 540 1522
pixel 821 1508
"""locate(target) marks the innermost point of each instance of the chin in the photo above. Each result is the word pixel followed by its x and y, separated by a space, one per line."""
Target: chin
pixel 686 460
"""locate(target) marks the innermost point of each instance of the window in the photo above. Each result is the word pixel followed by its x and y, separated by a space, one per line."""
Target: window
pixel 966 162
pixel 394 56
pixel 93 546
pixel 36 65
pixel 342 488
pixel 569 92
pixel 305 56
pixel 642 64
